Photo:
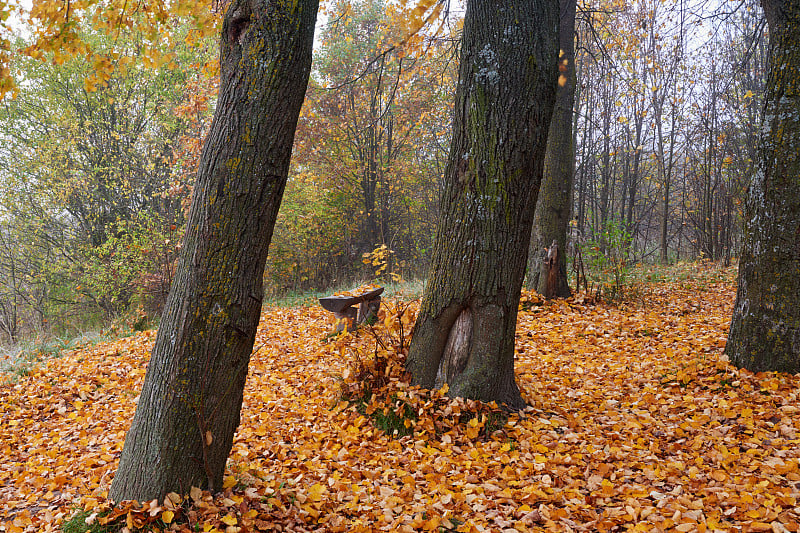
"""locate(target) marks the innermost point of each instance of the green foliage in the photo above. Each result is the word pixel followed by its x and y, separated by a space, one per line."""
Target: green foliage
pixel 133 266
pixel 21 358
pixel 78 523
pixel 308 247
pixel 395 422
pixel 92 210
pixel 606 256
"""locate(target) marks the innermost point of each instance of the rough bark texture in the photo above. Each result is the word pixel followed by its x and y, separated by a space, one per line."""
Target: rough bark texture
pixel 552 270
pixel 504 101
pixel 765 330
pixel 551 218
pixel 189 407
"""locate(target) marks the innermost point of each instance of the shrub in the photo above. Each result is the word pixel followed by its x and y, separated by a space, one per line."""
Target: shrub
pixel 607 258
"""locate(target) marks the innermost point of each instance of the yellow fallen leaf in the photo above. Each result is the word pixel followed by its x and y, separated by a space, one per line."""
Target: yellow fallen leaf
pixel 229 520
pixel 316 491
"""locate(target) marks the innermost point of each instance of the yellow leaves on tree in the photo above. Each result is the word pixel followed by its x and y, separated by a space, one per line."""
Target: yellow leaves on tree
pixel 54 35
pixel 414 18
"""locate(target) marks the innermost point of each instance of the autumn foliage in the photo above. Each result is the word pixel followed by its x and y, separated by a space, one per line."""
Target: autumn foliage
pixel 635 423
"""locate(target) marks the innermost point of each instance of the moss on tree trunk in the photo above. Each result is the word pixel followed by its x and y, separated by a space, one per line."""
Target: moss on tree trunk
pixel 504 101
pixel 765 330
pixel 189 407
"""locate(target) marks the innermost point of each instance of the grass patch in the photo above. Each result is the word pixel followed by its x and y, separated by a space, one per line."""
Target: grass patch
pixel 20 359
pixel 694 271
pixel 78 523
pixel 404 290
pixel 395 421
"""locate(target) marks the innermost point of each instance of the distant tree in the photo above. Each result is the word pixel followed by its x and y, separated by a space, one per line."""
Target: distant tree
pixel 374 125
pixel 554 204
pixel 464 335
pixel 765 329
pixel 191 400
pixel 12 270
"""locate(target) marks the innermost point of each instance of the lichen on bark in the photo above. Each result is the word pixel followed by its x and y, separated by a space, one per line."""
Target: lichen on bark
pixel 507 80
pixel 765 328
pixel 189 407
pixel 553 206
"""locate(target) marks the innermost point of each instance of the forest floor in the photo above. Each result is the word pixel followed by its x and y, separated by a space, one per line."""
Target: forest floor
pixel 636 423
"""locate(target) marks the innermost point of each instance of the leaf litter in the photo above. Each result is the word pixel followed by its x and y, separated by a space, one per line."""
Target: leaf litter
pixel 636 422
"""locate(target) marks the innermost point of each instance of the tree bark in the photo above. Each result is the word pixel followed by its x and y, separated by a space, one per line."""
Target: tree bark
pixel 765 330
pixel 553 207
pixel 189 407
pixel 504 102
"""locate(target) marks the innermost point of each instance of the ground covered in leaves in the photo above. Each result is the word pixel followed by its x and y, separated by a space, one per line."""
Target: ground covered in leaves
pixel 636 423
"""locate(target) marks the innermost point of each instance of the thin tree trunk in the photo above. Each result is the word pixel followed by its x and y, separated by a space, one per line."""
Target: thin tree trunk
pixel 189 407
pixel 638 121
pixel 605 175
pixel 670 166
pixel 507 84
pixel 665 209
pixel 765 330
pixel 587 165
pixel 708 192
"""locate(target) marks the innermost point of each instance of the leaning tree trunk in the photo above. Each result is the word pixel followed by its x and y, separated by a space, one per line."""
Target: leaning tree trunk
pixel 765 330
pixel 551 218
pixel 507 82
pixel 189 408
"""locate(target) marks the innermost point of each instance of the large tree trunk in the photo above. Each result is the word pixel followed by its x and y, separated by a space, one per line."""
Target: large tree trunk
pixel 765 330
pixel 504 101
pixel 553 207
pixel 189 408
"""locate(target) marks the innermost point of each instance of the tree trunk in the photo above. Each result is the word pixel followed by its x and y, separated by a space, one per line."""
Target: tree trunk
pixel 189 407
pixel 551 218
pixel 765 330
pixel 587 165
pixel 504 102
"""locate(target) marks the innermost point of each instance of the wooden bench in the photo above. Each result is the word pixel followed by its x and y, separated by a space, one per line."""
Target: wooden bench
pixel 347 315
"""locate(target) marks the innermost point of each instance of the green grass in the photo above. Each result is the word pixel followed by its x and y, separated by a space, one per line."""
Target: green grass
pixel 77 524
pixel 703 271
pixel 697 274
pixel 405 290
pixel 387 419
pixel 19 360
pixel 392 424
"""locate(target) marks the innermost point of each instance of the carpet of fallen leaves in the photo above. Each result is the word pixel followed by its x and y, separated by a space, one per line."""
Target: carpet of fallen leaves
pixel 636 423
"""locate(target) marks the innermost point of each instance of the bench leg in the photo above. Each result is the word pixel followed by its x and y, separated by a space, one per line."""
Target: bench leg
pixel 346 319
pixel 367 310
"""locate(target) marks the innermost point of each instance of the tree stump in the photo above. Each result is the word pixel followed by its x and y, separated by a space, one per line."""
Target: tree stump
pixel 347 315
pixel 551 268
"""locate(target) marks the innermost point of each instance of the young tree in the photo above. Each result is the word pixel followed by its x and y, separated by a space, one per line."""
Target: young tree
pixel 554 204
pixel 504 102
pixel 189 408
pixel 765 329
